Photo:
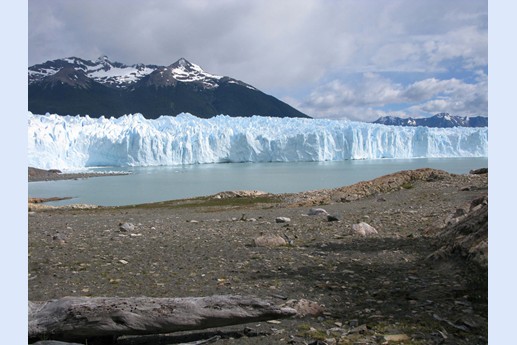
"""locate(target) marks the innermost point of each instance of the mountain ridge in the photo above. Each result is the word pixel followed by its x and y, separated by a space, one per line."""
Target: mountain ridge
pixel 75 86
pixel 440 120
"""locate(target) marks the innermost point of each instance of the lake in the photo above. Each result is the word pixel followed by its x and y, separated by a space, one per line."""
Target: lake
pixel 151 184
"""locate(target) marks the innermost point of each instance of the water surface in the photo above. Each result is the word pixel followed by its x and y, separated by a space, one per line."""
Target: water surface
pixel 151 184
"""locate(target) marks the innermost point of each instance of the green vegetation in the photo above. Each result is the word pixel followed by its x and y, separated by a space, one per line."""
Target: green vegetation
pixel 407 185
pixel 210 202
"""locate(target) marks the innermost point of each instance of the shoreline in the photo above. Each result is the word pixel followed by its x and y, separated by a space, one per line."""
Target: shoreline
pixel 35 175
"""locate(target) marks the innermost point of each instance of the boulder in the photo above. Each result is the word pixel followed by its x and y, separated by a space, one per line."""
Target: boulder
pixel 466 236
pixel 126 227
pixel 317 212
pixel 305 307
pixel 332 218
pixel 269 241
pixel 282 220
pixel 364 229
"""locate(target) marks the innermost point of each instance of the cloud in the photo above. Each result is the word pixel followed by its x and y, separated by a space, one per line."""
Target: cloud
pixel 373 96
pixel 290 49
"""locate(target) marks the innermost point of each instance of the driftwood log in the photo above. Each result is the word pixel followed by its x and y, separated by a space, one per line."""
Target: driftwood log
pixel 83 317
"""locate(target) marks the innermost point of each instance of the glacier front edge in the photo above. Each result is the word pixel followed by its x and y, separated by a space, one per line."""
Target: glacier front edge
pixel 76 142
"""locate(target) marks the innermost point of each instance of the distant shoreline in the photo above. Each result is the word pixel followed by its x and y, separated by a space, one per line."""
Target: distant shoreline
pixel 35 175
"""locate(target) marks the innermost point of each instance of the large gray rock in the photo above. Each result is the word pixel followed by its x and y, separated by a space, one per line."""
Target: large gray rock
pixel 269 241
pixel 126 227
pixel 364 229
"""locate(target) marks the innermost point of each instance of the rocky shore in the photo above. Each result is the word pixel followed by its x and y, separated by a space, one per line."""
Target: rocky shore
pixel 36 174
pixel 401 259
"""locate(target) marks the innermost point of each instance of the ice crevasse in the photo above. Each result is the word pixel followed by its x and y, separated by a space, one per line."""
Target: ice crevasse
pixel 75 142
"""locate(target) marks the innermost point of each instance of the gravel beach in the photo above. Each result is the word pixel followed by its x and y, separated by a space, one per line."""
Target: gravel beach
pixel 35 174
pixel 379 288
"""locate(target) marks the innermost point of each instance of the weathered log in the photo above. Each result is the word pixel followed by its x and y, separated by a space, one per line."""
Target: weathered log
pixel 83 317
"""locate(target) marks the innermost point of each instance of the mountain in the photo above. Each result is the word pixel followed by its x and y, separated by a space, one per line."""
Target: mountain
pixel 72 86
pixel 442 120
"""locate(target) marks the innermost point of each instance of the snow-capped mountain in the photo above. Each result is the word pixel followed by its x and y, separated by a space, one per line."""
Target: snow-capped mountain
pixel 442 120
pixel 101 70
pixel 72 86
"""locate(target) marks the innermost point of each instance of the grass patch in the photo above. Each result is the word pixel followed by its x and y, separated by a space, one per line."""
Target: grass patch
pixel 407 185
pixel 312 333
pixel 209 202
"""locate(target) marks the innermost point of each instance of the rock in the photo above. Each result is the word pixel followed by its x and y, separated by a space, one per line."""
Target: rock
pixel 364 229
pixel 317 342
pixel 396 337
pixel 305 307
pixel 359 329
pixel 467 236
pixel 317 212
pixel 350 197
pixel 59 238
pixel 126 227
pixel 269 241
pixel 332 218
pixel 282 219
pixel 479 171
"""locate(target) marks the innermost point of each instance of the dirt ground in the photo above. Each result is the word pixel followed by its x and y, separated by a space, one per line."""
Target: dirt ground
pixel 378 289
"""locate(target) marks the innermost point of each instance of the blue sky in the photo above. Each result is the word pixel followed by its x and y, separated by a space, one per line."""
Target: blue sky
pixel 333 59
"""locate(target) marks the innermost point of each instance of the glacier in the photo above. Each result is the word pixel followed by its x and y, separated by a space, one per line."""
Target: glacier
pixel 79 142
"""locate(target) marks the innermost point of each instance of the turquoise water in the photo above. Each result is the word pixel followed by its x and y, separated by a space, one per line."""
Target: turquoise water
pixel 151 184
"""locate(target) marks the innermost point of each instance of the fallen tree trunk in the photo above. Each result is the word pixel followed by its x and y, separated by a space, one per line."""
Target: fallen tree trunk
pixel 83 317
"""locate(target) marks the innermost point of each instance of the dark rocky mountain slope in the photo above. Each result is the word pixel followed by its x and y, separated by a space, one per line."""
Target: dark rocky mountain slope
pixel 74 86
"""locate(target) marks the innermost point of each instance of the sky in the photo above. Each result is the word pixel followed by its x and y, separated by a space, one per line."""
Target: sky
pixel 353 59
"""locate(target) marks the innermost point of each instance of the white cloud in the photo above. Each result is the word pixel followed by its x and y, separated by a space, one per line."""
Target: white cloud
pixel 373 95
pixel 277 46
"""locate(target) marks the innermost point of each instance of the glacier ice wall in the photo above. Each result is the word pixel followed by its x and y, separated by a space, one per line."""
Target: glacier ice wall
pixel 75 142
